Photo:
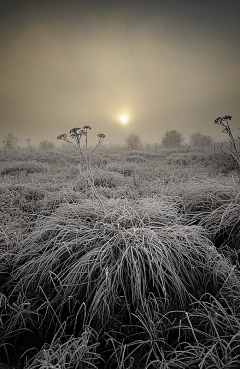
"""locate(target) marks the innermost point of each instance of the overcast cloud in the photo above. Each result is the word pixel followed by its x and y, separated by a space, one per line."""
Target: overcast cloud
pixel 167 64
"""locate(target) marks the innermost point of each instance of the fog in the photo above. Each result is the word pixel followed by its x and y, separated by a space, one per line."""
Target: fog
pixel 166 64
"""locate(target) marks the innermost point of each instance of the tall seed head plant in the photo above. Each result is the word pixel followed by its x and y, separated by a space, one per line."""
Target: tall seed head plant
pixel 224 121
pixel 76 135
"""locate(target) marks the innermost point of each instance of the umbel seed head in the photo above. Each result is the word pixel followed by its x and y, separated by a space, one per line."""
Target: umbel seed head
pixel 101 135
pixel 62 137
pixel 218 120
pixel 74 130
pixel 227 117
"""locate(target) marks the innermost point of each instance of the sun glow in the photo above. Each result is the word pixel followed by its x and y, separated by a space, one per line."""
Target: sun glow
pixel 124 118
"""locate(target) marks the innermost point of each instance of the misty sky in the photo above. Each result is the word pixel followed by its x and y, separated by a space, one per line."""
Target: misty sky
pixel 167 64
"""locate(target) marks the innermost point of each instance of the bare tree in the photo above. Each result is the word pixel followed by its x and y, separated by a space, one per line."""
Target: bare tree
pixel 172 138
pixel 44 145
pixel 133 141
pixel 12 138
pixel 28 143
pixel 199 140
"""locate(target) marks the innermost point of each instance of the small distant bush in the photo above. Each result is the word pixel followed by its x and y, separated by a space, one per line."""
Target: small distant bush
pixel 172 139
pixel 11 141
pixel 198 140
pixel 133 141
pixel 45 145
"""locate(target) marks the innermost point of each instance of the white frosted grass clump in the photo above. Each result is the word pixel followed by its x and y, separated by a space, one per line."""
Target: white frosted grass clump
pixel 158 209
pixel 113 262
pixel 133 158
pixel 127 169
pixel 25 167
pixel 224 222
pixel 205 195
pixel 102 178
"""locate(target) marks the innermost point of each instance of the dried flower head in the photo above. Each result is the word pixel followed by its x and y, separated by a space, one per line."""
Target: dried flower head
pixel 82 132
pixel 101 135
pixel 62 136
pixel 227 117
pixel 218 120
pixel 74 132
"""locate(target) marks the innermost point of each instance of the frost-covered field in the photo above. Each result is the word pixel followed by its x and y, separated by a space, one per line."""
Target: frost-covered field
pixel 143 275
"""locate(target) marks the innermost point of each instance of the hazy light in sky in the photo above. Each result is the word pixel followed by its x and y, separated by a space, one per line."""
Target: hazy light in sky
pixel 124 118
pixel 166 64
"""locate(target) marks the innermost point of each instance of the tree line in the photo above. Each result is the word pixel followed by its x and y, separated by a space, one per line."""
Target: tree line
pixel 172 139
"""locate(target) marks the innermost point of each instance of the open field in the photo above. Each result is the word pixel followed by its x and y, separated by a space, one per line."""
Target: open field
pixel 142 272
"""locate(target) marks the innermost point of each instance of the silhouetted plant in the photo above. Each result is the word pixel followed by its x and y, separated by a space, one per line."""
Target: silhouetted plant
pixel 76 135
pixel 86 128
pixel 28 143
pixel 9 145
pixel 223 121
pixel 11 138
pixel 4 145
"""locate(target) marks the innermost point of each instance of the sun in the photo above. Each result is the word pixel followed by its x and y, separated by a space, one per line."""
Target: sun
pixel 124 118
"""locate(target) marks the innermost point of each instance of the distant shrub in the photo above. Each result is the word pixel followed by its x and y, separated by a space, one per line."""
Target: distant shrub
pixel 11 141
pixel 200 141
pixel 172 139
pixel 133 141
pixel 24 167
pixel 45 145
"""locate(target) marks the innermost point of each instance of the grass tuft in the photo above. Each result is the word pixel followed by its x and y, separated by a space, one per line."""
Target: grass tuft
pixel 26 167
